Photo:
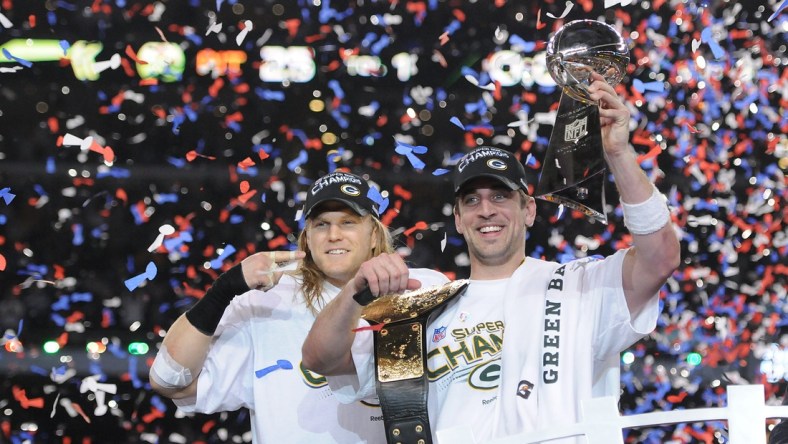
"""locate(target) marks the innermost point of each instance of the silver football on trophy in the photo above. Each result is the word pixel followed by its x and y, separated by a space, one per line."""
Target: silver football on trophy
pixel 581 47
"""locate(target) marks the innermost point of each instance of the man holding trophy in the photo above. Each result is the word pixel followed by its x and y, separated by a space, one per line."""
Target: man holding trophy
pixel 563 325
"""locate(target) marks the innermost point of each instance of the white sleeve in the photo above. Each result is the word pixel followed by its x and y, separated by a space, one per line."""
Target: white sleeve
pixel 615 329
pixel 226 379
pixel 352 388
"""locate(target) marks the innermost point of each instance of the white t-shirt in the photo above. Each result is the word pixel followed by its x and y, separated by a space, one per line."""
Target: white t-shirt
pixel 465 366
pixel 464 360
pixel 255 362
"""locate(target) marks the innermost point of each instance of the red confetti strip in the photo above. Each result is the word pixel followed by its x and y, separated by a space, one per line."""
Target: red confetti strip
pixel 420 225
pixel 376 327
pixel 81 412
pixel 440 57
pixel 313 144
pixel 279 222
pixel 314 38
pixel 676 398
pixel 62 340
pixel 234 117
pixel 244 164
pixel 159 112
pixel 133 56
pixel 402 192
pixel 53 124
pixel 154 414
pixel 141 211
pixel 292 26
pixel 539 23
pixel 80 181
pixel 109 155
pixel 587 5
pixel 208 426
pixel 127 68
pixel 75 317
pixel 120 194
pixel 691 128
pixel 24 401
pixel 213 90
pixel 391 213
pixel 243 198
pixel 191 155
pixel 278 242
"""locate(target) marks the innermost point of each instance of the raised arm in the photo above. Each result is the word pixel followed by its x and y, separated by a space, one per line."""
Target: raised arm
pixel 656 252
pixel 327 347
pixel 184 349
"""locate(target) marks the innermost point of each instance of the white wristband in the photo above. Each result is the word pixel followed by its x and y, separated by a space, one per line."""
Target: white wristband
pixel 648 216
pixel 166 372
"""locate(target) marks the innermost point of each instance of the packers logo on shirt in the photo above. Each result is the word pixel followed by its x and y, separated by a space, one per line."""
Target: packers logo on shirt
pixel 485 376
pixel 311 378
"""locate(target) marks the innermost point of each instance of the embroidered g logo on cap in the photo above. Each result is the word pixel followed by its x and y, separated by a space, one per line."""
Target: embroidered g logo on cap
pixel 350 190
pixel 496 164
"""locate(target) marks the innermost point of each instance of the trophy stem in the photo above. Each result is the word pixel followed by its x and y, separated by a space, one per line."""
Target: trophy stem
pixel 573 172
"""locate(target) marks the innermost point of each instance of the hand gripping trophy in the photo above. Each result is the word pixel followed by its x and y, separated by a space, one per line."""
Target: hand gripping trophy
pixel 574 167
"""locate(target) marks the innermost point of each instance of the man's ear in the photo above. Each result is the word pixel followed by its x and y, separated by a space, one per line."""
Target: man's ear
pixel 530 211
pixel 457 224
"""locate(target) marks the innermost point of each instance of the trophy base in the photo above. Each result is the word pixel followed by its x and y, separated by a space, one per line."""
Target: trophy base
pixel 591 192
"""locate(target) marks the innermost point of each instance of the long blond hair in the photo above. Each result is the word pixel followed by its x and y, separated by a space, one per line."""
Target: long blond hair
pixel 312 278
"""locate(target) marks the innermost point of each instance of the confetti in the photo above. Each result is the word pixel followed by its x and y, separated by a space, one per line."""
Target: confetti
pixel 376 327
pixel 214 27
pixel 23 62
pixel 778 10
pixel 716 49
pixel 567 8
pixel 7 195
pixel 611 3
pixel 375 196
pixel 136 281
pixel 227 251
pixel 164 230
pixel 239 39
pixel 5 22
pixel 281 364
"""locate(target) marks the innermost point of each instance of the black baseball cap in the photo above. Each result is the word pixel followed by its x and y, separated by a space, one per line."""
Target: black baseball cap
pixel 347 188
pixel 490 162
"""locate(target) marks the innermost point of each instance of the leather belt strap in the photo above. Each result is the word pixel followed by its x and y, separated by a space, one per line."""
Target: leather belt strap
pixel 401 357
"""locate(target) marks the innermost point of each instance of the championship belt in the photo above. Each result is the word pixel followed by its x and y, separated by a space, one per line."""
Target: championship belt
pixel 401 356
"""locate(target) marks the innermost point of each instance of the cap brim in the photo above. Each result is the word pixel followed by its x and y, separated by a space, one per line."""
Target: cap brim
pixel 352 205
pixel 504 180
